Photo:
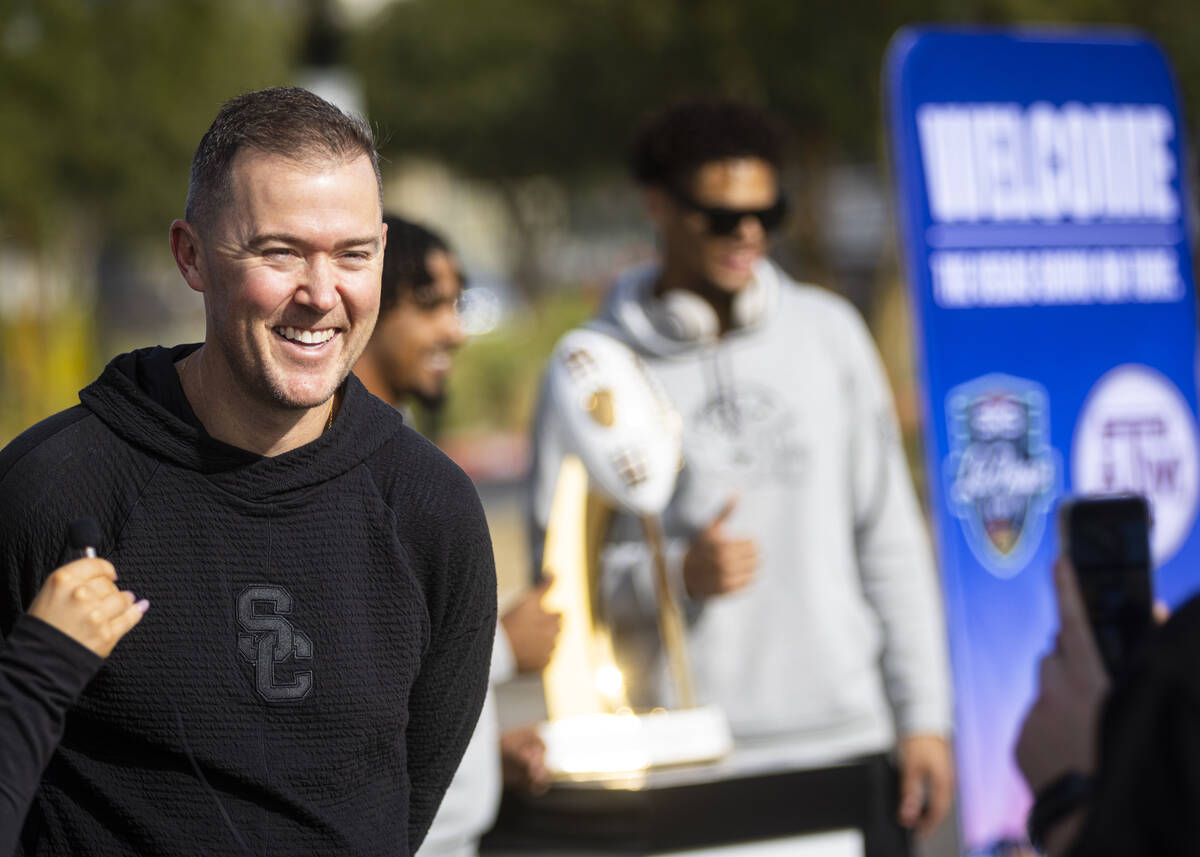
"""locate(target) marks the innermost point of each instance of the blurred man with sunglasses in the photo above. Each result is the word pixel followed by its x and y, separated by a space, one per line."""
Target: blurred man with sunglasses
pixel 794 536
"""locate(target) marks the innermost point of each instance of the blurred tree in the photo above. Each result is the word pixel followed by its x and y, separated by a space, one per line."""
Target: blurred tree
pixel 547 87
pixel 104 101
pixel 102 105
pixel 1175 24
pixel 506 91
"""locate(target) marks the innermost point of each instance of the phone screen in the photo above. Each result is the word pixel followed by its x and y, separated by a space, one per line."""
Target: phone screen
pixel 1107 540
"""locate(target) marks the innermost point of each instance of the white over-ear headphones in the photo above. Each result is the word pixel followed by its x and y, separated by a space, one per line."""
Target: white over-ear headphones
pixel 687 317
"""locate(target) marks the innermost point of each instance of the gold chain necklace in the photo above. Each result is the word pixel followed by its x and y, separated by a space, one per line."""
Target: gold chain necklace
pixel 332 399
pixel 329 422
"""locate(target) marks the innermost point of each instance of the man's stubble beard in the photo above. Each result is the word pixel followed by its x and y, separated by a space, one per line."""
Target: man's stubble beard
pixel 264 383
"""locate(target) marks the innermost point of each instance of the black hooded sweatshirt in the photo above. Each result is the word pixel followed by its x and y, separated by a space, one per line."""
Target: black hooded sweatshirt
pixel 317 647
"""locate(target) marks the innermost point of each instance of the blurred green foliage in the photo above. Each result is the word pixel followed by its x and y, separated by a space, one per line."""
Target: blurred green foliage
pixel 103 103
pixel 555 87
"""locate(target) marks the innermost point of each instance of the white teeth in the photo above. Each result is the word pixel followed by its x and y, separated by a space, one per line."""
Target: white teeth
pixel 307 337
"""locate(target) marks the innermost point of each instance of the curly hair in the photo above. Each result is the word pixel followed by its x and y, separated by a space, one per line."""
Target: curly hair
pixel 404 260
pixel 672 144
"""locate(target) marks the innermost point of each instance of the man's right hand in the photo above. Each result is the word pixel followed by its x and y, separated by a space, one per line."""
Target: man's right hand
pixel 523 760
pixel 532 629
pixel 81 599
pixel 716 564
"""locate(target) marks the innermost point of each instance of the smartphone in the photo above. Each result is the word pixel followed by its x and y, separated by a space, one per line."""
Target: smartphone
pixel 1107 539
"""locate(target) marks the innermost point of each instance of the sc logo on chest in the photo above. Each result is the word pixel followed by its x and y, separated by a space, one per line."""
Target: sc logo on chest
pixel 268 638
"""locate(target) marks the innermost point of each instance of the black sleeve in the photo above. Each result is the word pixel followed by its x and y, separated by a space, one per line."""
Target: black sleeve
pixel 42 673
pixel 1148 783
pixel 449 690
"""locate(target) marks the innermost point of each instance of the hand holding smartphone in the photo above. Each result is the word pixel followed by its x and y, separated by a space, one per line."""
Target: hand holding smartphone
pixel 1107 540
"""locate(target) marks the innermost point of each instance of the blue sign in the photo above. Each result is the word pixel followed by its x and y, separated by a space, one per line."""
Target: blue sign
pixel 1043 211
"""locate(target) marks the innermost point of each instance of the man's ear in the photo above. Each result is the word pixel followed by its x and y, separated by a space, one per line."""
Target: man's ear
pixel 185 247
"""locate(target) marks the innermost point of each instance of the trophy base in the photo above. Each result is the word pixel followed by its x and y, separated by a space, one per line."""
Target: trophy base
pixel 748 807
pixel 597 746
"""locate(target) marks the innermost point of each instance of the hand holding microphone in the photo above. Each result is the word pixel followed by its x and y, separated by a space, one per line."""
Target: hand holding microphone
pixel 81 598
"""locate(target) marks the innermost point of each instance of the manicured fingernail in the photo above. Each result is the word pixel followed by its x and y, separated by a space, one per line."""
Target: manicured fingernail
pixel 143 605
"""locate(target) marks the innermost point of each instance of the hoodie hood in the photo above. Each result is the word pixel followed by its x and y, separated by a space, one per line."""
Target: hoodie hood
pixel 119 399
pixel 634 315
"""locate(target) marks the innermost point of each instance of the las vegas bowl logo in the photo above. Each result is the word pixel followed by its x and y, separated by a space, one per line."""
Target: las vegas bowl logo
pixel 1002 474
pixel 1136 434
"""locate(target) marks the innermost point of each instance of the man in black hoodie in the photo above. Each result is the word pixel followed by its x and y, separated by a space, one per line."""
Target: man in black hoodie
pixel 322 577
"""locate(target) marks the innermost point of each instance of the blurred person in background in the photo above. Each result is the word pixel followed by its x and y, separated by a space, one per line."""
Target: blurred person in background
pixel 1114 768
pixel 794 536
pixel 54 650
pixel 409 358
pixel 411 351
pixel 325 597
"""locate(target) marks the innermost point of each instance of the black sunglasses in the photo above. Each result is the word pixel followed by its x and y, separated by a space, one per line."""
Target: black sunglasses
pixel 724 221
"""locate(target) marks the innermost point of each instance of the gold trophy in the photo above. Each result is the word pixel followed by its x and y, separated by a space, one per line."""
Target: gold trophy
pixel 624 443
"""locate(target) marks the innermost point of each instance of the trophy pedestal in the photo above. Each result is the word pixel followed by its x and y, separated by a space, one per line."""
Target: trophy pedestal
pixel 745 805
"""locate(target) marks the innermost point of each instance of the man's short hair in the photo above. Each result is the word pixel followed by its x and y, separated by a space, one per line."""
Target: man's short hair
pixel 404 260
pixel 672 144
pixel 284 120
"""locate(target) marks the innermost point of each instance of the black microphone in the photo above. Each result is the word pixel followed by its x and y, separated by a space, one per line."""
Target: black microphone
pixel 83 535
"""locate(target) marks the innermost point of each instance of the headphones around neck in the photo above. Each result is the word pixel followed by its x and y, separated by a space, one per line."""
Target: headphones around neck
pixel 687 317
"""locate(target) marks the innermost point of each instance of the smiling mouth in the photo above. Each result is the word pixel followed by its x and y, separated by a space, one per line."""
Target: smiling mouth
pixel 302 336
pixel 742 258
